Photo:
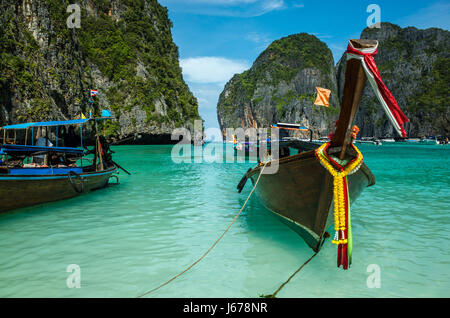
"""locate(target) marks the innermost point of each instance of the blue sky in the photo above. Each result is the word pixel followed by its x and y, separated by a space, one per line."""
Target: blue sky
pixel 219 38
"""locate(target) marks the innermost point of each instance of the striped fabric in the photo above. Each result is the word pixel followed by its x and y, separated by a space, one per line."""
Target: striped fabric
pixel 387 100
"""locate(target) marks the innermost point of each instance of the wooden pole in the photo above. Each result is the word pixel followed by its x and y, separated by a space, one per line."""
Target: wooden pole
pixel 95 155
pixel 81 141
pixel 46 145
pixel 100 153
pixel 355 79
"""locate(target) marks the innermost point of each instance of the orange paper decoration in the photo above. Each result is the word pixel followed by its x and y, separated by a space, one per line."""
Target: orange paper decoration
pixel 323 97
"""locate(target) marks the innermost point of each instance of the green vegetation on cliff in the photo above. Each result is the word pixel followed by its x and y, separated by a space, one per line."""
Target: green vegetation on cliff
pixel 435 93
pixel 280 86
pixel 19 71
pixel 415 66
pixel 117 47
pixel 284 59
pixel 128 41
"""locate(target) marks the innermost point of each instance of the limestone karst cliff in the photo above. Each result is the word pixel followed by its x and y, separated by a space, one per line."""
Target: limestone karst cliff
pixel 413 63
pixel 280 87
pixel 123 48
pixel 415 66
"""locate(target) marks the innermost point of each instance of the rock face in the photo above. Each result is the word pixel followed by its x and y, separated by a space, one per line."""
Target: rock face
pixel 123 48
pixel 415 66
pixel 280 87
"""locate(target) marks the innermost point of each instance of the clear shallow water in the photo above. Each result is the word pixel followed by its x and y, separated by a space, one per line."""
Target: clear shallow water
pixel 128 239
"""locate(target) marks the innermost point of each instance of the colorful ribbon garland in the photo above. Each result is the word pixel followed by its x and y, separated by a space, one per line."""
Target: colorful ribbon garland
pixel 387 100
pixel 342 220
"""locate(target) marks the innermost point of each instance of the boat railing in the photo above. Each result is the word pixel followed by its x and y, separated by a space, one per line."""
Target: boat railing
pixel 43 156
pixel 294 127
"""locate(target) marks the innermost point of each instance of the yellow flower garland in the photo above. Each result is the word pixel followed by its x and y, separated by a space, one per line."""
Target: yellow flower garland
pixel 339 173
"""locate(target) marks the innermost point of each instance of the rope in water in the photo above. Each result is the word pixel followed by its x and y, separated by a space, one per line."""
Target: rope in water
pixel 290 277
pixel 214 244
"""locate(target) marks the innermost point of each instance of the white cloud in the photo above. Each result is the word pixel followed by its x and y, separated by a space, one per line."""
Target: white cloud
pixel 436 15
pixel 337 50
pixel 322 36
pixel 272 5
pixel 207 94
pixel 220 2
pixel 211 69
pixel 262 40
pixel 206 77
pixel 231 8
pixel 258 38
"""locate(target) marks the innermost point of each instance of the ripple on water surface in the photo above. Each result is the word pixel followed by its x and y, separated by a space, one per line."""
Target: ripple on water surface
pixel 128 239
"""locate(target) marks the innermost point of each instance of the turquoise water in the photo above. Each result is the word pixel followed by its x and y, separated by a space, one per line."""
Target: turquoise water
pixel 128 239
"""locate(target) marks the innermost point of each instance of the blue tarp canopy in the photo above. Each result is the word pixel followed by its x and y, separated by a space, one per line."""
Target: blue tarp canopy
pixel 44 171
pixel 23 148
pixel 47 123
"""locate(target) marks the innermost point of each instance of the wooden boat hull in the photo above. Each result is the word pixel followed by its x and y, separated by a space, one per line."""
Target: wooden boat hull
pixel 19 191
pixel 301 194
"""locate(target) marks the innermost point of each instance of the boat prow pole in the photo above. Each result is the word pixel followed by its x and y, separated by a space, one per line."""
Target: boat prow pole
pixel 120 167
pixel 243 181
pixel 355 79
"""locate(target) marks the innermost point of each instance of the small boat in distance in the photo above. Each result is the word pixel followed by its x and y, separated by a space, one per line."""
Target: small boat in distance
pixel 369 140
pixel 247 148
pixel 429 140
pixel 252 148
pixel 45 171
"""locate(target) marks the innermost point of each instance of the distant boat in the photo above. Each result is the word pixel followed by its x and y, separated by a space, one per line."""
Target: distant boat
pixel 442 140
pixel 249 148
pixel 34 174
pixel 387 140
pixel 432 141
pixel 400 139
pixel 369 140
pixel 246 149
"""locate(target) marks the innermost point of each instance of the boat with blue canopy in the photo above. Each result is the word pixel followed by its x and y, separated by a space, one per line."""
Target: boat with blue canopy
pixel 45 162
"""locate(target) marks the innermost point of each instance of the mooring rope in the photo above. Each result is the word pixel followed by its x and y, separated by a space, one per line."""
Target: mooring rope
pixel 290 277
pixel 214 244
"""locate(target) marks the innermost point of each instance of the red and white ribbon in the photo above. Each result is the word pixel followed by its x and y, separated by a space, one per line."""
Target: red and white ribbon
pixel 390 106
